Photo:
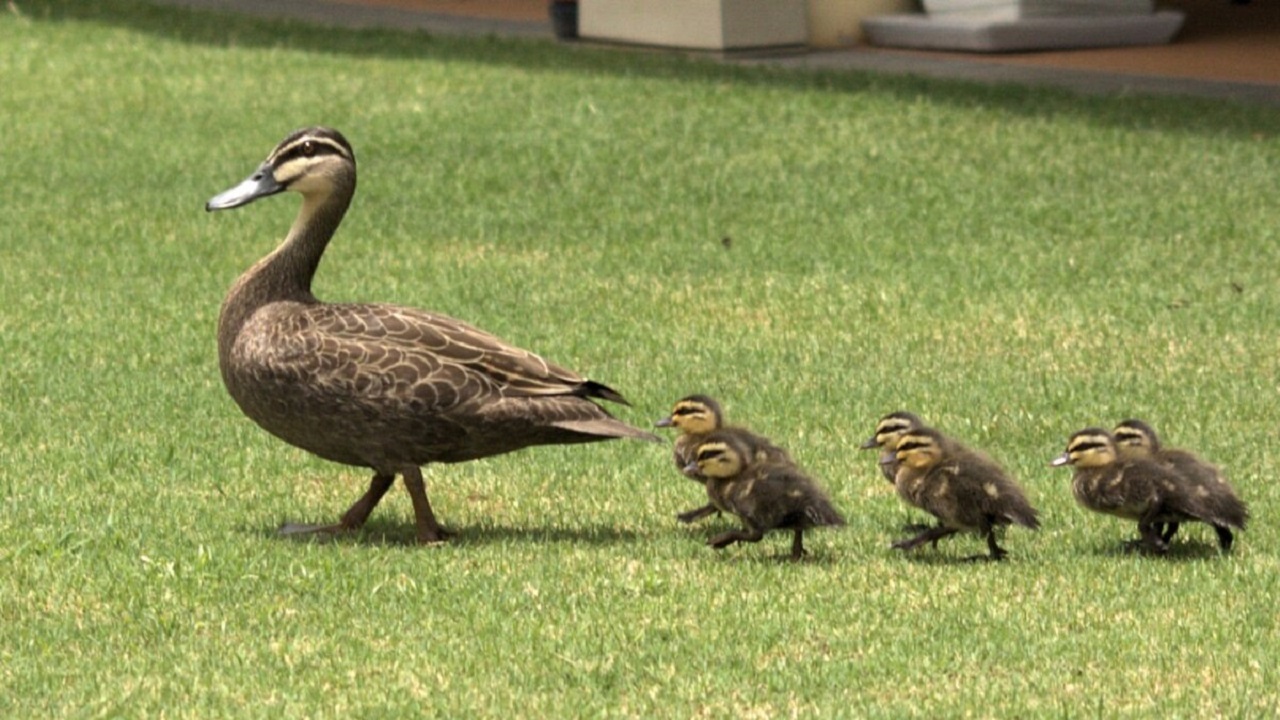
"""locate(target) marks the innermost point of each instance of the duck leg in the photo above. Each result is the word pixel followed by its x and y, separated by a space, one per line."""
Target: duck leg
pixel 429 531
pixel 358 513
pixel 933 535
pixel 694 515
pixel 355 516
pixel 1167 531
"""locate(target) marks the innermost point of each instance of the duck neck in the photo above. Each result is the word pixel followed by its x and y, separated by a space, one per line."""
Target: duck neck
pixel 285 275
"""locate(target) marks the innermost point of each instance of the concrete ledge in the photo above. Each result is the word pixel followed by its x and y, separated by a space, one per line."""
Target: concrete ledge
pixel 1021 9
pixel 923 32
pixel 719 25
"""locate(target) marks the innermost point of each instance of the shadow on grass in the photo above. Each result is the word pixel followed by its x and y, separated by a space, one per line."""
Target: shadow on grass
pixel 1179 551
pixel 780 556
pixel 219 29
pixel 940 558
pixel 964 549
pixel 502 534
pixel 386 533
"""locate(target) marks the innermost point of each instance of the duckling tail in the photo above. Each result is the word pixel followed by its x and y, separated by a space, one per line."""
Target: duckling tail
pixel 1017 509
pixel 823 514
pixel 1227 509
pixel 1026 517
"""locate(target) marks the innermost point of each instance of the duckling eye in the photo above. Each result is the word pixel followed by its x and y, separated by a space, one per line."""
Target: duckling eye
pixel 309 149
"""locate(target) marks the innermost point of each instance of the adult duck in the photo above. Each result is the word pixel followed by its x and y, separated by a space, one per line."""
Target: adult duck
pixel 385 387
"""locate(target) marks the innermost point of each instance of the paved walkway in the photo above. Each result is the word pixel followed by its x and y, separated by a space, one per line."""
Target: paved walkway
pixel 1096 82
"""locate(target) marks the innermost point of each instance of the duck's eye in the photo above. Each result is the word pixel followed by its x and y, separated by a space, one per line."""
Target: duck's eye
pixel 309 149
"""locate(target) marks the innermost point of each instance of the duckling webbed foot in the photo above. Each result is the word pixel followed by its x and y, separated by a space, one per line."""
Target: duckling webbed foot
pixel 984 558
pixel 1151 540
pixel 1145 545
pixel 997 553
pixel 691 516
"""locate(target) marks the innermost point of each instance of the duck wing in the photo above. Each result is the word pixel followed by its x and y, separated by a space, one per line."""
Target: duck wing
pixel 399 362
pixel 372 349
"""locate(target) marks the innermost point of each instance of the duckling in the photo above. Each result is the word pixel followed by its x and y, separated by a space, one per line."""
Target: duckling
pixel 963 488
pixel 1224 509
pixel 764 494
pixel 696 416
pixel 384 387
pixel 889 430
pixel 1135 489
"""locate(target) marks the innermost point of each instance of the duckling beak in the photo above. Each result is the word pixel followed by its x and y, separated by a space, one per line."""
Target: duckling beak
pixel 869 444
pixel 260 184
pixel 691 468
pixel 1061 460
pixel 664 422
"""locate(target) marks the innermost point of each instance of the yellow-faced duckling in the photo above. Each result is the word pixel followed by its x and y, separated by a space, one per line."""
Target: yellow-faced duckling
pixel 764 494
pixel 385 387
pixel 1135 489
pixel 1222 507
pixel 696 416
pixel 963 488
pixel 889 430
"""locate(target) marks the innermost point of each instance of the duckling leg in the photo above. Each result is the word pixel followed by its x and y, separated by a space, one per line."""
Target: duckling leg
pixel 1167 532
pixel 916 527
pixel 689 516
pixel 932 535
pixel 997 552
pixel 797 545
pixel 1151 537
pixel 429 531
pixel 725 539
pixel 1225 538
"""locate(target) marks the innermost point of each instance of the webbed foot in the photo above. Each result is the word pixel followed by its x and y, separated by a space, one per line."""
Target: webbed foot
pixel 303 530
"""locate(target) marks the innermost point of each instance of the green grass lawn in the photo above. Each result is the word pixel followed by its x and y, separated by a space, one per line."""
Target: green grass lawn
pixel 1012 264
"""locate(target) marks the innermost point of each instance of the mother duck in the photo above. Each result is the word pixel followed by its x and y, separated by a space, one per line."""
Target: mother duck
pixel 379 386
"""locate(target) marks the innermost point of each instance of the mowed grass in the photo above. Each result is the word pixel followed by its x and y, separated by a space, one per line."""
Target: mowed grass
pixel 813 249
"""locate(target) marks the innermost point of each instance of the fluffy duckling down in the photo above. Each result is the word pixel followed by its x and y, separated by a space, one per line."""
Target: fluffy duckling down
pixel 964 489
pixel 697 416
pixel 764 494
